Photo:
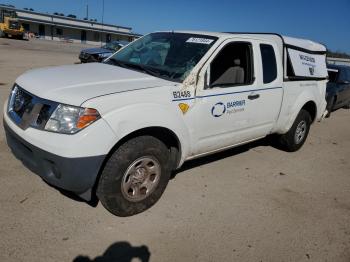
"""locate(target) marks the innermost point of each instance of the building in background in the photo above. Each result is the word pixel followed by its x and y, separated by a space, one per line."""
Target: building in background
pixel 338 61
pixel 59 27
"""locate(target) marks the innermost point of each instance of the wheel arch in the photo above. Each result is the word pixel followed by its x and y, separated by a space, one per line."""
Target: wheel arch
pixel 310 107
pixel 306 103
pixel 167 136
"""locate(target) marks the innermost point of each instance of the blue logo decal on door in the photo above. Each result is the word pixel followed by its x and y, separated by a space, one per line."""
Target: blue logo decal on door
pixel 218 109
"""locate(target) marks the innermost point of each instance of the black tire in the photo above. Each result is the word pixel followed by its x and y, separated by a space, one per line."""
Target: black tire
pixel 113 177
pixel 2 34
pixel 290 141
pixel 347 106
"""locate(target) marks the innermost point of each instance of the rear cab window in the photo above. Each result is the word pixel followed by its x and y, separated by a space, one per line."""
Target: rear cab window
pixel 269 64
pixel 303 64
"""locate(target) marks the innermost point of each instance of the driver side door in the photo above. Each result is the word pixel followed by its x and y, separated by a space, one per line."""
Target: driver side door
pixel 235 104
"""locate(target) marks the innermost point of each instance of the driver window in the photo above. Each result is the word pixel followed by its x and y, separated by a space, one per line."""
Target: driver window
pixel 232 66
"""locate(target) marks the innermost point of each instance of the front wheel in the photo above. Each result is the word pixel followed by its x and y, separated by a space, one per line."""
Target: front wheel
pixel 135 176
pixel 294 139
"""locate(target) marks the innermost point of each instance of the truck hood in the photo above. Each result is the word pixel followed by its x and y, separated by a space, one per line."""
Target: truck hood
pixel 74 84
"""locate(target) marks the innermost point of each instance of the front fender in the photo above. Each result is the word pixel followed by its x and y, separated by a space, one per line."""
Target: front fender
pixel 131 118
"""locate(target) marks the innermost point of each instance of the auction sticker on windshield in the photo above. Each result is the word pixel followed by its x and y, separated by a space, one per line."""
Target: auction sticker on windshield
pixel 198 40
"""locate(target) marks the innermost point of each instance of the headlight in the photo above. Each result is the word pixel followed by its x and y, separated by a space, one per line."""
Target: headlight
pixel 71 119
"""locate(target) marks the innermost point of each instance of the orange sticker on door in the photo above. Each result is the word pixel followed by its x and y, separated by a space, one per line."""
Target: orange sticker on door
pixel 184 107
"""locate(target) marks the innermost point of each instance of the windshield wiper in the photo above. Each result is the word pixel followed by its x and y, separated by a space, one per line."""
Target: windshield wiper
pixel 143 69
pixel 115 62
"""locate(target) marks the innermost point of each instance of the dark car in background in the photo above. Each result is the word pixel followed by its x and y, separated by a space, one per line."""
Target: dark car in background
pixel 338 87
pixel 100 53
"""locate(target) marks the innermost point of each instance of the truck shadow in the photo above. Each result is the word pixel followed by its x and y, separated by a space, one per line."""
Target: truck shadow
pixel 119 252
pixel 267 141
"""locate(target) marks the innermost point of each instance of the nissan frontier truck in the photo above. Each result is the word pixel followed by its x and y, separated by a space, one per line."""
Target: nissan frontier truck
pixel 117 129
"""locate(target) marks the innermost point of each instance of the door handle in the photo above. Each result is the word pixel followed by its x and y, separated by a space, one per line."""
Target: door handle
pixel 252 97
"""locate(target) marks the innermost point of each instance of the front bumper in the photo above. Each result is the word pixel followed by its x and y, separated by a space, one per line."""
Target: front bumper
pixel 13 32
pixel 77 175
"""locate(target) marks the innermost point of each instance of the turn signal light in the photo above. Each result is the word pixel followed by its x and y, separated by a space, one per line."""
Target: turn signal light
pixel 89 116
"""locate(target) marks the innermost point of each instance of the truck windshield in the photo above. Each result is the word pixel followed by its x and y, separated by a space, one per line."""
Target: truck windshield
pixel 171 56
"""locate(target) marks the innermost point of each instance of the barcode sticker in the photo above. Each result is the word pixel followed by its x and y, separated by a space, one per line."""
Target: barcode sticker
pixel 197 40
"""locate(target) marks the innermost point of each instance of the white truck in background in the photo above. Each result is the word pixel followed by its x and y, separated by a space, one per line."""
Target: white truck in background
pixel 118 129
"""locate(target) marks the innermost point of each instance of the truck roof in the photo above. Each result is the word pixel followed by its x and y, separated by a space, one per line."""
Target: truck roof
pixel 280 39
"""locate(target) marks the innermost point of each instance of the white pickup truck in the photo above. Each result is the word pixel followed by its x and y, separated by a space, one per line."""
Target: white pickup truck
pixel 117 129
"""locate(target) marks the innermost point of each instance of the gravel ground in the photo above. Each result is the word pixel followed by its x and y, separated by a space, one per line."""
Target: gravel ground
pixel 252 203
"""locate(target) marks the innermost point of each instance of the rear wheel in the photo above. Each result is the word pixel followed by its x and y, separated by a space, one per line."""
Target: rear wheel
pixel 2 34
pixel 294 139
pixel 135 176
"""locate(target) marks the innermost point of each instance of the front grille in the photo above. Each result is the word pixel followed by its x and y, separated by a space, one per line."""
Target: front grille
pixel 44 116
pixel 28 110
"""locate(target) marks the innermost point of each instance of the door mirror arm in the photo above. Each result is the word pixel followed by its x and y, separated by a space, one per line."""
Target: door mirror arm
pixel 207 79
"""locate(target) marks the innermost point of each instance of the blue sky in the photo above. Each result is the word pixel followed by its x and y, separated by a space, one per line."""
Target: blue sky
pixel 324 21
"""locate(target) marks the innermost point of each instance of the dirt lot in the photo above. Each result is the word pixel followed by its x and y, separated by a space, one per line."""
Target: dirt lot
pixel 253 203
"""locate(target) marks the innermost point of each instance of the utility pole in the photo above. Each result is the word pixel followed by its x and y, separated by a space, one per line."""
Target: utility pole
pixel 103 14
pixel 87 11
pixel 103 10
